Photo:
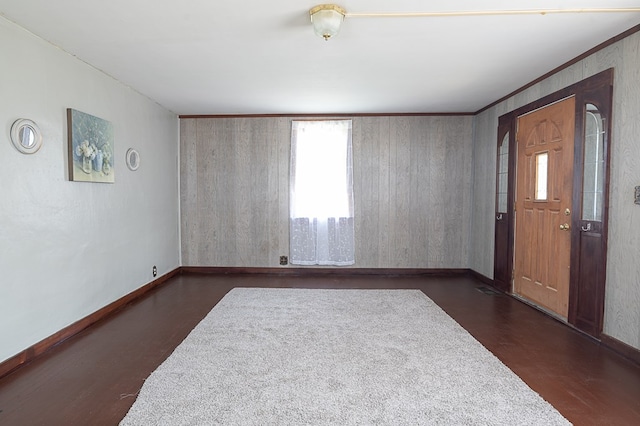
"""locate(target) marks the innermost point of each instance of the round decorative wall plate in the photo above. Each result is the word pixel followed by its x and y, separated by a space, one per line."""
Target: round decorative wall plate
pixel 133 159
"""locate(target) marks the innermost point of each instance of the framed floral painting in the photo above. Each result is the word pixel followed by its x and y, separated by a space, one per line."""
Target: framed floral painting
pixel 90 148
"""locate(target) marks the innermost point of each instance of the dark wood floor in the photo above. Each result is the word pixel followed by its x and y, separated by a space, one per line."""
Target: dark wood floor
pixel 93 377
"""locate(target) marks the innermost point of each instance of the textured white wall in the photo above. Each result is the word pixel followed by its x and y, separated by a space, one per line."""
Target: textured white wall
pixel 69 248
pixel 622 298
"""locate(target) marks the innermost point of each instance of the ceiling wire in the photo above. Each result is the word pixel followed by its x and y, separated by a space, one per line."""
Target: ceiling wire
pixel 485 13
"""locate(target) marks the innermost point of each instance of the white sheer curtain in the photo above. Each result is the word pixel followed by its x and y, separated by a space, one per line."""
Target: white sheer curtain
pixel 321 199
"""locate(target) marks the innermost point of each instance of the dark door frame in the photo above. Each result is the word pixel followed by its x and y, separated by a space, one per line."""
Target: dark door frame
pixel 504 225
pixel 588 249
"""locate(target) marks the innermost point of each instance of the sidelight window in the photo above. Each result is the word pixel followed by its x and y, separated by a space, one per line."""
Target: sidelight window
pixel 503 174
pixel 593 179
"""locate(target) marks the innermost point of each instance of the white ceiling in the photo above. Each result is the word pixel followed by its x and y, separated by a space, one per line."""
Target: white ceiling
pixel 262 57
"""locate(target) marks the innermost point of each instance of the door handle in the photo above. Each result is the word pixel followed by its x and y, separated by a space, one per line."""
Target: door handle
pixel 586 228
pixel 499 216
pixel 565 227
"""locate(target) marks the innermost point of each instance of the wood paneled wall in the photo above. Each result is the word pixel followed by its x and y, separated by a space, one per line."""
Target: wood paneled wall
pixel 412 190
pixel 622 298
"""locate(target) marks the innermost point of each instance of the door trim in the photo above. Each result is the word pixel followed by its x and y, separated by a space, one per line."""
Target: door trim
pixel 597 90
pixel 504 225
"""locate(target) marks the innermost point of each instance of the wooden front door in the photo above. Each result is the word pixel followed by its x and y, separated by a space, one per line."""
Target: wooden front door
pixel 543 205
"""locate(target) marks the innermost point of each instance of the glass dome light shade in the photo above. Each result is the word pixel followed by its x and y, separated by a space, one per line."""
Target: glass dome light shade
pixel 327 19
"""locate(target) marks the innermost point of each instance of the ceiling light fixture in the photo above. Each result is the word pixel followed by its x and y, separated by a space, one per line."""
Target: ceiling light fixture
pixel 327 18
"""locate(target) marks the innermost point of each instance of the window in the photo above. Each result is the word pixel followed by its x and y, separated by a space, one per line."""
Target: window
pixel 321 193
pixel 593 179
pixel 542 175
pixel 503 174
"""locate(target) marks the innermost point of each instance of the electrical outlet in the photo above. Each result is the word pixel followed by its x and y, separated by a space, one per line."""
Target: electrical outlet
pixel 284 260
pixel 155 270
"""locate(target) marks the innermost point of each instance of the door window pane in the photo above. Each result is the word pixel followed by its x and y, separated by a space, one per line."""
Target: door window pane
pixel 542 175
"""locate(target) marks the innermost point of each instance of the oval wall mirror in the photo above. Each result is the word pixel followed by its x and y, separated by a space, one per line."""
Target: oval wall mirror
pixel 26 136
pixel 133 159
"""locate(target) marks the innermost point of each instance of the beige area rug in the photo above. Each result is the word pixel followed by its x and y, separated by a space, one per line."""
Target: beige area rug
pixel 334 357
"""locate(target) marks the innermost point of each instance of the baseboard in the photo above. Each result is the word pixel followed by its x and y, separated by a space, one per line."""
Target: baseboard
pixel 614 344
pixel 483 279
pixel 306 271
pixel 39 348
pixel 621 348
